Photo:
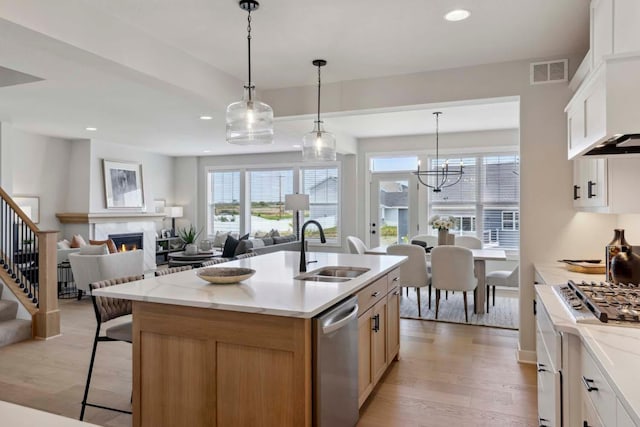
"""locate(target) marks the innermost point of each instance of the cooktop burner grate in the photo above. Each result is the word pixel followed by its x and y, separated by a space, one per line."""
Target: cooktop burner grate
pixel 607 301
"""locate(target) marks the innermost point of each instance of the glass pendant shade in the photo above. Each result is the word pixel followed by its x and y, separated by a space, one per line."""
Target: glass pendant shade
pixel 318 144
pixel 249 122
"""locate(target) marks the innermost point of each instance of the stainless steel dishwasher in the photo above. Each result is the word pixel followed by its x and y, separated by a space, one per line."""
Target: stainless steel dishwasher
pixel 335 365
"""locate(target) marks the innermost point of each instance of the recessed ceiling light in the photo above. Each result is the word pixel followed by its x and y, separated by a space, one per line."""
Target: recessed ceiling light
pixel 91 129
pixel 297 146
pixel 206 151
pixel 206 117
pixel 457 15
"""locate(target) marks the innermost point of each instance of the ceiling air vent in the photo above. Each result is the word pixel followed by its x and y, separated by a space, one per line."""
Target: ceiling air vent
pixel 548 72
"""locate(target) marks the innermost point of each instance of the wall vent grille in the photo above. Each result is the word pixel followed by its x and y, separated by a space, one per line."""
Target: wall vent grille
pixel 548 72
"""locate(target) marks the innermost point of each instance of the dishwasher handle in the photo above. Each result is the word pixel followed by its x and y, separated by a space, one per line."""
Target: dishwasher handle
pixel 332 327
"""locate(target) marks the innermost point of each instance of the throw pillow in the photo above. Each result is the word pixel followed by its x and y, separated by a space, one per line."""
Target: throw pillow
pixel 94 250
pixel 274 233
pixel 220 239
pixel 245 237
pixel 110 244
pixel 256 243
pixel 64 244
pixel 243 247
pixel 230 247
pixel 77 241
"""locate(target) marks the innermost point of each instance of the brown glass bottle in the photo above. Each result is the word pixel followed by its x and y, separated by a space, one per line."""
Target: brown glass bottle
pixel 612 249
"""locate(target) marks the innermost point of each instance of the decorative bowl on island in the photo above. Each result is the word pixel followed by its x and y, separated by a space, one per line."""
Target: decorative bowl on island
pixel 225 275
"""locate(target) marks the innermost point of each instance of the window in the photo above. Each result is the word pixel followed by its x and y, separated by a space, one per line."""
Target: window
pixel 393 164
pixel 322 186
pixel 252 200
pixel 267 191
pixel 486 201
pixel 224 202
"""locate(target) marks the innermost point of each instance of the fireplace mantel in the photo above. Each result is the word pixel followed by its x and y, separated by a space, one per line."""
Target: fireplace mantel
pixel 106 217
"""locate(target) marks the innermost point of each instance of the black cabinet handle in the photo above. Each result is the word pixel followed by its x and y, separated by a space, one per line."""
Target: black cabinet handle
pixel 542 421
pixel 590 193
pixel 585 424
pixel 375 294
pixel 396 293
pixel 376 323
pixel 587 383
pixel 541 368
pixel 576 188
pixel 395 279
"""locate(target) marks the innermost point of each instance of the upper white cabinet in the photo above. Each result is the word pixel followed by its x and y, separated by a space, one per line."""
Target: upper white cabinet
pixel 606 185
pixel 607 102
pixel 590 183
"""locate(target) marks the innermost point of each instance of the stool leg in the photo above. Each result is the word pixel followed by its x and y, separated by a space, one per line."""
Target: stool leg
pixel 437 301
pixel 494 295
pixel 93 358
pixel 466 315
pixel 419 307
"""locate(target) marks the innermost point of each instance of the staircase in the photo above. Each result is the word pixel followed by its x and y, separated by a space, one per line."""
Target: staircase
pixel 11 329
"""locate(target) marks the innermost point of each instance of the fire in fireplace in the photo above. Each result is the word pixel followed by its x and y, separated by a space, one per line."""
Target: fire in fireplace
pixel 128 241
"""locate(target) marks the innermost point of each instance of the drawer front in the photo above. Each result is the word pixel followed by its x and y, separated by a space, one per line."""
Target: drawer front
pixel 598 390
pixel 624 420
pixel 552 339
pixel 393 279
pixel 373 293
pixel 589 414
pixel 549 399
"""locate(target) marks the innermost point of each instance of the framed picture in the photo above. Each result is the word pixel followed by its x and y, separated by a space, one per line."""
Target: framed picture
pixel 123 184
pixel 158 205
pixel 30 205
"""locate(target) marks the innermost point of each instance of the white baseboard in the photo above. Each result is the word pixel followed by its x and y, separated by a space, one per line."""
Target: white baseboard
pixel 526 356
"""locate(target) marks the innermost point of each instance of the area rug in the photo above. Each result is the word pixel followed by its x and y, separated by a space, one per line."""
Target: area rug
pixel 505 314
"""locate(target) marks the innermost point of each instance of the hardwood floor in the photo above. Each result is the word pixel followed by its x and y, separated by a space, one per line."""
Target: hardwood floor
pixel 448 375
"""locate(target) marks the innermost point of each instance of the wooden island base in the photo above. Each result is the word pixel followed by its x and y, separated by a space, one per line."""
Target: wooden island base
pixel 182 357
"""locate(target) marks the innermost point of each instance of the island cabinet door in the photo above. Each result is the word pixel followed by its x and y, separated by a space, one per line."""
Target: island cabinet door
pixel 379 340
pixel 393 324
pixel 365 375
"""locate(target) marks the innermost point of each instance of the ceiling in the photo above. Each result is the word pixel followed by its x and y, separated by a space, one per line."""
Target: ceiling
pixel 143 71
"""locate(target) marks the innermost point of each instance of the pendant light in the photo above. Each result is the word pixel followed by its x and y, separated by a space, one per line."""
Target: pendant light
pixel 249 122
pixel 444 175
pixel 319 144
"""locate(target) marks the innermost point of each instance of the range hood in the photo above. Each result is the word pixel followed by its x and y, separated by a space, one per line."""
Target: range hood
pixel 618 144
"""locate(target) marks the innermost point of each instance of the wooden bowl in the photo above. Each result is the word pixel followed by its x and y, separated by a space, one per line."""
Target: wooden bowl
pixel 586 267
pixel 225 275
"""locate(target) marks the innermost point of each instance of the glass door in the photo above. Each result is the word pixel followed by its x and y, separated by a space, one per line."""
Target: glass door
pixel 393 214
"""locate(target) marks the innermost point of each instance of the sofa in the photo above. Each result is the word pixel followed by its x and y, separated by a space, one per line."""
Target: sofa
pixel 94 268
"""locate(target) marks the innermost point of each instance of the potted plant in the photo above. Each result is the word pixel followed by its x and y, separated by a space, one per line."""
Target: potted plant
pixel 189 237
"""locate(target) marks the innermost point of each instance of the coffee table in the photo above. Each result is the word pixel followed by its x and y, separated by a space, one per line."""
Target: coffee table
pixel 177 259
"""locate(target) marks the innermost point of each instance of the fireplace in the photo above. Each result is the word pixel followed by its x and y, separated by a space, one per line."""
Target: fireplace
pixel 128 241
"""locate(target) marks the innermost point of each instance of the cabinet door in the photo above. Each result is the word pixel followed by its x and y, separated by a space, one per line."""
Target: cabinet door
pixel 601 30
pixel 393 324
pixel 596 183
pixel 578 190
pixel 595 111
pixel 589 415
pixel 626 29
pixel 549 398
pixel 379 340
pixel 622 417
pixel 576 127
pixel 365 377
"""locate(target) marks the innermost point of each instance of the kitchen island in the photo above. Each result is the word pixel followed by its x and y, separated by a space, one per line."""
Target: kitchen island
pixel 223 355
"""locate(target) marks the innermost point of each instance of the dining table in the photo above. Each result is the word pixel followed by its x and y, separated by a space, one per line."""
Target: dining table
pixel 480 256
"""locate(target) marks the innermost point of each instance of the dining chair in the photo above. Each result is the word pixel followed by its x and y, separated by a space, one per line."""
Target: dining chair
pixel 427 238
pixel 172 270
pixel 356 246
pixel 468 242
pixel 107 309
pixel 504 278
pixel 413 272
pixel 452 270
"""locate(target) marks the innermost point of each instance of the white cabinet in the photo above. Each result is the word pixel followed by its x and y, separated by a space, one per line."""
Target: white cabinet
pixel 614 28
pixel 601 30
pixel 590 183
pixel 548 348
pixel 606 185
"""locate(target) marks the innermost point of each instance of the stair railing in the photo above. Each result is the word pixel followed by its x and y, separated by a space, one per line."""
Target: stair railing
pixel 28 266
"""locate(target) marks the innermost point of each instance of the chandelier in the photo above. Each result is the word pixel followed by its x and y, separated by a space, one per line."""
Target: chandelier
pixel 319 144
pixel 442 176
pixel 249 121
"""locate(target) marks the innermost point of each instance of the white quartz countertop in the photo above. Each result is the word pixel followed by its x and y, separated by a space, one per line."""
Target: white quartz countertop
pixel 556 273
pixel 20 416
pixel 272 290
pixel 616 349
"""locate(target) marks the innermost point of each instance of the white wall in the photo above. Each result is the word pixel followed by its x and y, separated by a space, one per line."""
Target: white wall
pixel 631 226
pixel 6 177
pixel 40 167
pixel 550 229
pixel 186 184
pixel 79 187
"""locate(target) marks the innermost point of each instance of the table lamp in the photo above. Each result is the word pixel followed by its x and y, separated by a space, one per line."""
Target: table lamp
pixel 173 212
pixel 296 203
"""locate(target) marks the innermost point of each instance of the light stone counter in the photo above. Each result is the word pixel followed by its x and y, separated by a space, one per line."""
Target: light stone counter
pixel 20 416
pixel 615 349
pixel 557 273
pixel 272 290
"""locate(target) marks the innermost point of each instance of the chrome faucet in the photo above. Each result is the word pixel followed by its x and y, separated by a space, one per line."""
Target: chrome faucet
pixel 303 256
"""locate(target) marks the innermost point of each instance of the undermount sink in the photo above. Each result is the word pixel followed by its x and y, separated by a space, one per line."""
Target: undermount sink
pixel 333 274
pixel 349 272
pixel 323 279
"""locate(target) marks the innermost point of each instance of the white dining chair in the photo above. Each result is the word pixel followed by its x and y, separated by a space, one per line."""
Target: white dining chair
pixel 468 242
pixel 356 246
pixel 504 278
pixel 427 238
pixel 452 270
pixel 413 272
